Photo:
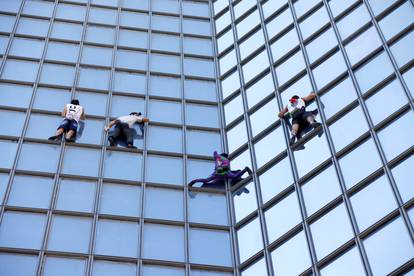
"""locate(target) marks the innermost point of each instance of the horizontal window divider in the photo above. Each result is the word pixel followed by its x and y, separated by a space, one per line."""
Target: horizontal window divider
pixel 379 224
pixel 163 263
pixel 201 56
pixel 148 220
pixel 401 157
pixel 204 102
pixel 78 177
pixel 353 145
pixel 403 269
pixel 121 181
pixel 285 237
pixel 251 260
pixel 13 208
pixel 292 80
pixel 211 267
pixel 347 11
pixel 279 197
pixel 310 11
pixel 331 205
pixel 207 190
pixel 100 257
pixel 336 253
pixel 72 213
pixel 164 52
pixel 393 117
pixel 246 220
pixel 365 182
pixel 389 10
pixel 164 186
pixel 198 225
pixel 235 122
pixel 118 217
pixel 276 13
pixel 13 250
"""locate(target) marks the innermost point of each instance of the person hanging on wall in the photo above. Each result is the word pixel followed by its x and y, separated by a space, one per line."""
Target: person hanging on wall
pixel 124 127
pixel 222 172
pixel 301 119
pixel 72 113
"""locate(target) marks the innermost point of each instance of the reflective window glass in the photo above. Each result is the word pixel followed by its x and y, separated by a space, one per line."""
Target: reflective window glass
pixel 111 3
pixel 251 44
pixel 199 67
pixel 259 90
pixel 227 61
pixel 198 168
pixel 81 161
pixel 255 66
pixel 17 264
pixel 215 203
pixel 4 179
pixel 129 82
pixel 105 268
pixel 94 103
pixel 93 78
pixel 223 21
pixel 151 270
pixel 7 23
pixel 123 105
pixel 349 262
pixel 169 6
pixel 230 84
pixel 25 47
pixel 314 22
pixel 130 168
pixel 171 207
pixel 245 204
pixel 338 97
pixel 402 176
pixel 165 86
pixel 202 142
pixel 197 46
pixel 70 12
pixel 31 26
pixel 241 7
pixel 27 70
pixel 237 136
pixel 233 109
pixel 118 199
pixel 276 179
pixel 249 239
pixel 379 6
pixel 8 150
pixel 15 128
pixel 303 85
pixel 264 117
pixel 131 60
pixel 96 55
pixel 352 22
pixel 132 38
pixel 258 268
pixel 316 151
pixel 279 23
pixel 202 115
pixel 38 157
pixel 57 74
pixel 75 195
pixel 267 148
pixel 408 78
pixel 30 191
pixel 196 27
pixel 284 44
pixel 165 111
pixel 339 6
pixel 290 68
pixel 397 20
pixel 248 23
pixel 38 8
pixel 162 42
pixel 165 63
pixel 50 99
pixel 330 69
pixel 105 16
pixel 4 40
pixel 157 141
pixel 62 51
pixel 363 45
pixel 321 45
pixel 165 23
pixel 225 40
pixel 403 49
pixel 64 266
pixel 163 242
pixel 172 165
pixel 69 31
pixel 98 34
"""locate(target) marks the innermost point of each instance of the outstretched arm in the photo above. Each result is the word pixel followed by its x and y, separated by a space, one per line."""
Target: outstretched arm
pixel 309 97
pixel 283 112
pixel 145 120
pixel 111 123
pixel 64 112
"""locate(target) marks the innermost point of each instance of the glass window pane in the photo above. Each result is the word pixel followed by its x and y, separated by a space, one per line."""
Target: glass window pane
pixel 25 47
pixel 30 26
pixel 13 264
pixel 169 6
pixel 242 7
pixel 131 38
pixel 338 97
pixel 123 105
pixel 172 166
pixel 138 5
pixel 276 179
pixel 38 8
pixel 122 200
pixel 285 44
pixel 248 23
pixel 15 128
pixel 196 27
pixel 352 22
pixel 93 78
pixel 157 141
pixel 259 90
pixel 117 238
pixel 249 239
pixel 397 20
pixel 75 195
pixel 105 16
pixel 27 70
pixel 165 111
pixel 90 131
pixel 130 169
pixel 165 86
pixel 93 103
pixel 81 161
pixel 330 69
pixel 290 68
pixel 104 268
pixel 200 90
pixel 403 49
pixel 225 40
pixel 402 176
pixel 202 142
pixel 129 82
pixel 321 45
pixel 30 191
pixel 64 266
pixel 314 22
pixel 363 45
pixel 264 117
pixel 96 55
pixel 162 242
pixel 216 205
pixel 202 115
pixel 316 151
pixel 233 109
pixel 199 67
pixel 38 157
pixel 70 12
pixel 279 23
pixel 255 66
pixel 162 271
pixel 50 99
pixel 230 84
pixel 68 31
pixel 62 51
pixel 258 268
pixel 165 23
pixel 22 230
pixel 195 8
pixel 171 207
pixel 169 43
pixel 15 95
pixel 303 6
pixel 165 64
pixel 98 34
pixel 350 262
pixel 131 60
pixel 203 244
pixel 245 204
pixel 266 148
pixel 197 46
pixel 8 150
pixel 57 74
pixel 4 179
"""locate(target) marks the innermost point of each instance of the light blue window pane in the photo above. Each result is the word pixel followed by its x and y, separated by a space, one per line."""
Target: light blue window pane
pixel 251 44
pixel 314 22
pixel 242 7
pixel 131 38
pixel 202 142
pixel 169 43
pixel 304 6
pixel 258 268
pixel 203 244
pixel 347 264
pixel 331 231
pixel 276 179
pixel 134 19
pixel 369 75
pixel 368 211
pixel 279 23
pixel 39 8
pixel 329 70
pixel 163 242
pixel 264 117
pixel 68 31
pixel 57 74
pixel 228 61
pixel 104 268
pixel 22 230
pixel 157 141
pixel 130 169
pixel 292 257
pixel 386 101
pixel 199 67
pixel 131 60
pixel 321 45
pixel 259 90
pixel 172 166
pixel 233 109
pixel 352 22
pixel 279 220
pixel 15 95
pixel 91 132
pixel 245 204
pixel 338 97
pixel 348 128
pixel 27 47
pixel 399 131
pixel 165 86
pixel 165 23
pixel 64 267
pixel 27 70
pixel 209 273
pixel 94 78
pixel 168 6
pixel 7 23
pixel 162 271
pixel 62 51
pixel 18 265
pixel 75 195
pixel 379 6
pixel 198 168
pixel 129 82
pixel 96 55
pixel 320 190
pixel 4 40
pixel 256 65
pixel 316 151
pixel 408 78
pixel 225 40
pixel 200 90
pixel 117 238
pixel 215 204
pixel 100 34
pixel 285 44
pixel 15 128
pixel 248 23
pixel 355 166
pixel 363 45
pixel 237 136
pixel 339 6
pixel 70 12
pixel 165 64
pixel 195 9
pixel 30 191
pixel 93 103
pixel 290 68
pixel 219 5
pixel 30 26
pixel 118 199
pixel 196 27
pixel 109 3
pixel 105 16
pixel 4 179
pixel 303 85
pixel 39 157
pixel 402 176
pixel 69 233
pixel 230 84
pixel 242 160
pixel 396 21
pixel 81 161
pixel 171 207
pixel 8 150
pixel 132 4
pixel 10 6
pixel 165 111
pixel 389 248
pixel 249 239
pixel 197 46
pixel 269 147
pixel 403 49
pixel 202 115
pixel 123 105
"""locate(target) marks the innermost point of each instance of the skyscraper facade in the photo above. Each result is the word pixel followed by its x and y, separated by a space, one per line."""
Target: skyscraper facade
pixel 210 75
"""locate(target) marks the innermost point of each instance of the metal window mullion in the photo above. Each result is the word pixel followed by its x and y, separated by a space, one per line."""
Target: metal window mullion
pixel 255 178
pixel 219 98
pixel 394 187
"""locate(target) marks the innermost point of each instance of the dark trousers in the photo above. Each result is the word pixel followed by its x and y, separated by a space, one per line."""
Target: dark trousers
pixel 125 130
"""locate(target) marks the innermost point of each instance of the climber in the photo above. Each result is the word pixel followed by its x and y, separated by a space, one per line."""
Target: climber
pixel 124 126
pixel 301 119
pixel 222 172
pixel 72 113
